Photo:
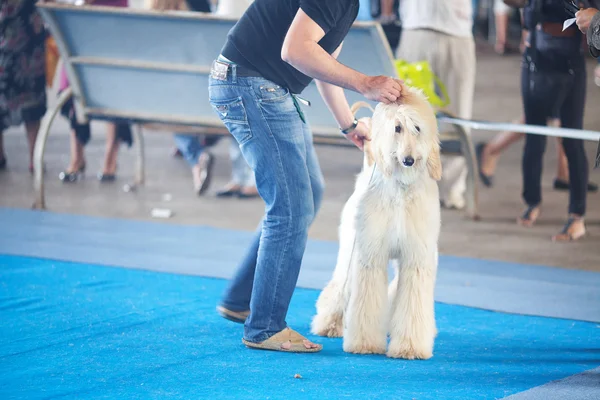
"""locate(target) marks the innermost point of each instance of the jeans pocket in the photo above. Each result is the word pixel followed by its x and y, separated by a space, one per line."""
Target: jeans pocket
pixel 275 101
pixel 233 114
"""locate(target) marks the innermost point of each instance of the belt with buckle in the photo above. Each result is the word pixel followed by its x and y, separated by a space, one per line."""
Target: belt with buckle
pixel 222 68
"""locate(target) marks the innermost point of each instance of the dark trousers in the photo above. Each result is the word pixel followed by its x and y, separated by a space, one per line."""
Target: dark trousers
pixel 558 87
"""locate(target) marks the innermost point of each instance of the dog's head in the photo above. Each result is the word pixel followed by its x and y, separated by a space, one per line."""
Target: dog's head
pixel 405 139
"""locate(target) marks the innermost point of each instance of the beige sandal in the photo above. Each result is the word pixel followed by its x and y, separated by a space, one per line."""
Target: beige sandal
pixel 287 340
pixel 235 316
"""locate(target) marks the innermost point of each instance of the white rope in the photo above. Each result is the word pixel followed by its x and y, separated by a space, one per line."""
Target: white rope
pixel 535 129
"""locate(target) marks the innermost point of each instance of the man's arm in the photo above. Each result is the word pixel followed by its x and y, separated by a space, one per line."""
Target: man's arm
pixel 335 99
pixel 302 51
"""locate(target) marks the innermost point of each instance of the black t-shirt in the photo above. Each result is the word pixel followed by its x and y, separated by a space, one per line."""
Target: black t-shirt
pixel 256 40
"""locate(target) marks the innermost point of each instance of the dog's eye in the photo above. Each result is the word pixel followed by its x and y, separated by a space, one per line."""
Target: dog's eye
pixel 398 128
pixel 418 129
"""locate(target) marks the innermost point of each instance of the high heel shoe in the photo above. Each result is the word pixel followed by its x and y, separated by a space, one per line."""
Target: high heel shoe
pixel 71 177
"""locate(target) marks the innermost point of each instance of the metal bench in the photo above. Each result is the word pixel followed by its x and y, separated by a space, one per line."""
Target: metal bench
pixel 151 69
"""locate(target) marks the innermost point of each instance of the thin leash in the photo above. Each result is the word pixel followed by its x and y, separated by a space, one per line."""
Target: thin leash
pixel 355 108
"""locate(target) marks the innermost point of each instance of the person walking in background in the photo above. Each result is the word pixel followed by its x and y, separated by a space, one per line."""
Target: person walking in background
pixel 22 71
pixel 116 132
pixel 191 146
pixel 441 33
pixel 553 82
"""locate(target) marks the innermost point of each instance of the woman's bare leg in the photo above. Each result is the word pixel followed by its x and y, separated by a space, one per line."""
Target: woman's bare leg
pixel 32 128
pixel 112 150
pixel 492 150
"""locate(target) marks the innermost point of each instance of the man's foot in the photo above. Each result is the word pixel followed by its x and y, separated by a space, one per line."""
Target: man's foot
pixel 202 172
pixel 288 340
pixel 2 163
pixel 529 216
pixel 574 229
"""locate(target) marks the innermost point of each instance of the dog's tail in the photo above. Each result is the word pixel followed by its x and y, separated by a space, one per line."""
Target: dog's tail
pixel 360 104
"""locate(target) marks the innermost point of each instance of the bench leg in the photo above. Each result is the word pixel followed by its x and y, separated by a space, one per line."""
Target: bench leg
pixel 471 160
pixel 140 171
pixel 40 147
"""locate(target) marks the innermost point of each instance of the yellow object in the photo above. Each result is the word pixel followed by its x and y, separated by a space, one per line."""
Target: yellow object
pixel 420 75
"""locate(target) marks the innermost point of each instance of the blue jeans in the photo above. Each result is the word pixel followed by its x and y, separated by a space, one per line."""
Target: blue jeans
pixel 241 173
pixel 190 147
pixel 278 146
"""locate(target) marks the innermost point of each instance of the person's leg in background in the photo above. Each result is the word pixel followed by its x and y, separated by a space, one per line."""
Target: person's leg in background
pixel 242 182
pixel 453 61
pixel 572 112
pixel 501 16
pixel 536 113
pixel 290 209
pixel 199 160
pixel 489 153
pixel 457 70
pixel 475 15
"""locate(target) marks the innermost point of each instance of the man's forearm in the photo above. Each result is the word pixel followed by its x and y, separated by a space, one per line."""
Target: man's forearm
pixel 310 59
pixel 335 99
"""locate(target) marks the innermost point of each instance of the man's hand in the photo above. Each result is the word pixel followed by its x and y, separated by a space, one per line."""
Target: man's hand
pixel 584 18
pixel 382 89
pixel 361 133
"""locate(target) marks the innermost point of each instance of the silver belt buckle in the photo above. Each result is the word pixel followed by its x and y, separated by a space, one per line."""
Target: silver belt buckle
pixel 219 70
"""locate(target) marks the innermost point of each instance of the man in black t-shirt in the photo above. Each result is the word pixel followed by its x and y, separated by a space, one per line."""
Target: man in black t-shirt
pixel 272 54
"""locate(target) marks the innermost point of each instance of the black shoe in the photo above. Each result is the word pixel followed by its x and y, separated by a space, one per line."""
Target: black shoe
pixel 559 184
pixel 228 193
pixel 3 164
pixel 488 180
pixel 106 177
pixel 70 177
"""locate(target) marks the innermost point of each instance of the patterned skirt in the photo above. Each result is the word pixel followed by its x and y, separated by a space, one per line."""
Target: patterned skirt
pixel 22 63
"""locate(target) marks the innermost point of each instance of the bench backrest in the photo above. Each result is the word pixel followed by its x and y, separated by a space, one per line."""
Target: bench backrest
pixel 150 66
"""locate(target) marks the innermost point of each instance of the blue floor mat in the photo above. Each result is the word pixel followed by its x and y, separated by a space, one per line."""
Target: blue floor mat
pixel 79 331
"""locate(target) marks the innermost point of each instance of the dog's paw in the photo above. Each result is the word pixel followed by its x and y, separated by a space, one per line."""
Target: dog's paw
pixel 409 349
pixel 328 325
pixel 366 348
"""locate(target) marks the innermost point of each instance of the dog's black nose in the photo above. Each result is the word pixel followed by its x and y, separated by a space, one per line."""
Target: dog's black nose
pixel 408 161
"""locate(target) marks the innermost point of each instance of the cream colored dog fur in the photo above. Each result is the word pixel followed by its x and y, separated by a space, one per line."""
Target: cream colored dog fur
pixel 393 214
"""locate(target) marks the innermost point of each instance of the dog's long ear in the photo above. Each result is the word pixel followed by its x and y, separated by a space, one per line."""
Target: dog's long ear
pixel 434 161
pixel 380 146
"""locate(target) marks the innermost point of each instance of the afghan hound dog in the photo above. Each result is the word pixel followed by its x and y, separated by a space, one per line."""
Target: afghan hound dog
pixel 393 214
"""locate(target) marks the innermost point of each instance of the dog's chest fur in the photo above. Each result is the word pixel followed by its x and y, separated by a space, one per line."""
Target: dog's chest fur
pixel 400 216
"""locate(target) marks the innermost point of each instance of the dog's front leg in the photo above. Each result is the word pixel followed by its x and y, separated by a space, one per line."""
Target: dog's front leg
pixel 365 329
pixel 412 323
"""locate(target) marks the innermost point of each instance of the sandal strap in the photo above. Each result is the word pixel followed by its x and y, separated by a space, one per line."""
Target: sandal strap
pixel 528 211
pixel 565 230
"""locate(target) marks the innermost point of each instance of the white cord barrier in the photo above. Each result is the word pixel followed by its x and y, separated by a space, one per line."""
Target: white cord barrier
pixel 535 129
